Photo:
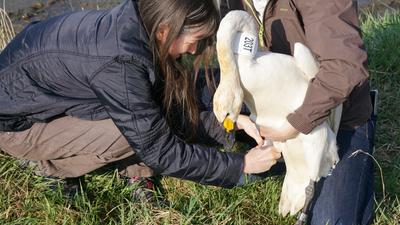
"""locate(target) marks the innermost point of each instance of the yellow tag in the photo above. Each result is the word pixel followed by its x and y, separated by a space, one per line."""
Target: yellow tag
pixel 228 124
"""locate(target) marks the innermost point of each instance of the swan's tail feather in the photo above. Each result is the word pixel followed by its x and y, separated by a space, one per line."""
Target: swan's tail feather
pixel 305 60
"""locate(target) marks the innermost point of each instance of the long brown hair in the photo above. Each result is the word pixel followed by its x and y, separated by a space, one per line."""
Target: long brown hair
pixel 179 85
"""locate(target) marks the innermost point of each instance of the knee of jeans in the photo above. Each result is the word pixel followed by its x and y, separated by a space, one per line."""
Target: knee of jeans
pixel 361 140
pixel 371 133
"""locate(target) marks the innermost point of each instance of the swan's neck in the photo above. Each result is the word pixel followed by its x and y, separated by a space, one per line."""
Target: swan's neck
pixel 245 44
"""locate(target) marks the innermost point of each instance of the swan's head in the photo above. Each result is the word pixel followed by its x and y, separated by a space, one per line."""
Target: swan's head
pixel 227 103
pixel 236 34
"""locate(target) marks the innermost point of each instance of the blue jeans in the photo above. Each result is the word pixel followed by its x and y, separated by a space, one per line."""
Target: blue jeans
pixel 346 197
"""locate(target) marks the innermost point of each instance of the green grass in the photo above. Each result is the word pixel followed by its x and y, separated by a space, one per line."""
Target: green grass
pixel 24 198
pixel 381 35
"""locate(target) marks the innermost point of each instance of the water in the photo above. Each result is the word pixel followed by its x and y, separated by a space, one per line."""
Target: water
pixel 70 5
pixel 22 12
pixel 14 5
pixel 364 2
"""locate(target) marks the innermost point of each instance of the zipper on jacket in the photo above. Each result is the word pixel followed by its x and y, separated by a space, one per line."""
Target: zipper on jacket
pixel 250 5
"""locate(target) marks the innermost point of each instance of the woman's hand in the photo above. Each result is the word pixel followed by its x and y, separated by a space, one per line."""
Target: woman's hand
pixel 244 122
pixel 285 132
pixel 260 159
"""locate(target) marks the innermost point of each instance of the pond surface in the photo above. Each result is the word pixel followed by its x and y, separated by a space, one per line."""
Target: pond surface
pixel 15 5
pixel 23 12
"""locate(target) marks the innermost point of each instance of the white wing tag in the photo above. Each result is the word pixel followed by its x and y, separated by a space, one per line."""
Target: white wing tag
pixel 245 44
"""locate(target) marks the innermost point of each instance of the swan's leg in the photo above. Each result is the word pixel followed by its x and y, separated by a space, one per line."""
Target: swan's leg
pixel 302 217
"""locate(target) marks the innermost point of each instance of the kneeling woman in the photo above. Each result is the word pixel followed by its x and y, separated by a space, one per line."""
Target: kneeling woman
pixel 82 90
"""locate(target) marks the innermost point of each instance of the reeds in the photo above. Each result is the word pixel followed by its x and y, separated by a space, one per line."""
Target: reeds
pixel 6 29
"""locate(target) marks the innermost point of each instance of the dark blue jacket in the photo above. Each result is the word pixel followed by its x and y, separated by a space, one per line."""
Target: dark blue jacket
pixel 96 65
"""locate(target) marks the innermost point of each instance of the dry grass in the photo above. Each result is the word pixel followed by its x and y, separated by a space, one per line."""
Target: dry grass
pixel 6 29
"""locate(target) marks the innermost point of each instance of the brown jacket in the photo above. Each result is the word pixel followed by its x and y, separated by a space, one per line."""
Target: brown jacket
pixel 331 30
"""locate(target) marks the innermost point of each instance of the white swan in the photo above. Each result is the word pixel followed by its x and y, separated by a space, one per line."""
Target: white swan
pixel 273 85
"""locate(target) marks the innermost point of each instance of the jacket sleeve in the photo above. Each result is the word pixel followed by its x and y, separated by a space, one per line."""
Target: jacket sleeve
pixel 213 133
pixel 333 34
pixel 125 91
